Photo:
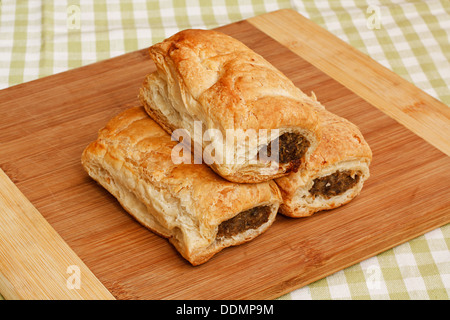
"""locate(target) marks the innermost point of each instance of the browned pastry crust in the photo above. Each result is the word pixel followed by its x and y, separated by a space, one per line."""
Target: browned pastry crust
pixel 186 203
pixel 207 76
pixel 335 173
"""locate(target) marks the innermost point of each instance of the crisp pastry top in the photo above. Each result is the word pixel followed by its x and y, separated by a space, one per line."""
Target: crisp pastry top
pixel 225 82
pixel 133 139
pixel 341 139
pixel 341 142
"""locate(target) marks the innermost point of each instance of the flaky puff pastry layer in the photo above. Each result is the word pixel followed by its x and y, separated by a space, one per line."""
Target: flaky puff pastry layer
pixel 183 202
pixel 207 76
pixel 342 148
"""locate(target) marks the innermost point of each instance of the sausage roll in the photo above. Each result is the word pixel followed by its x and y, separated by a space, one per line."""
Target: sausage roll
pixel 197 210
pixel 335 172
pixel 233 94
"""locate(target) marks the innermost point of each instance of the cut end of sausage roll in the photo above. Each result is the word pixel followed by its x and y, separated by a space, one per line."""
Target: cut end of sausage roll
pixel 207 77
pixel 335 173
pixel 198 211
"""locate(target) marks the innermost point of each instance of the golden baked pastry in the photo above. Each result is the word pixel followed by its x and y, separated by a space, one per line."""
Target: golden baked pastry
pixel 197 210
pixel 335 172
pixel 214 80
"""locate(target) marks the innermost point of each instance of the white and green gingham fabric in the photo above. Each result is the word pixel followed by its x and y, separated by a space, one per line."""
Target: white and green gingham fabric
pixel 412 38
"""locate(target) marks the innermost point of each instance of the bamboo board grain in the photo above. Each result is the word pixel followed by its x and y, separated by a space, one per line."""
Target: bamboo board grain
pixel 415 109
pixel 35 261
pixel 47 123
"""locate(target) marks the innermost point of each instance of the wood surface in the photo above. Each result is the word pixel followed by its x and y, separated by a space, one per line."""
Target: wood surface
pixel 46 124
pixel 35 261
pixel 415 109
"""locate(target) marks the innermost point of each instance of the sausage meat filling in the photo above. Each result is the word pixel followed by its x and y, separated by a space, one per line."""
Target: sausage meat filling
pixel 249 219
pixel 334 184
pixel 292 147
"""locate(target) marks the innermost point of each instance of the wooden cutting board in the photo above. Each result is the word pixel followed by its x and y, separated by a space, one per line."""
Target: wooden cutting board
pixel 61 218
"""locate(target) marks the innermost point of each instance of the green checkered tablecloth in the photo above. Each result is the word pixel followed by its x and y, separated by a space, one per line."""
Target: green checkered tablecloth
pixel 412 38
